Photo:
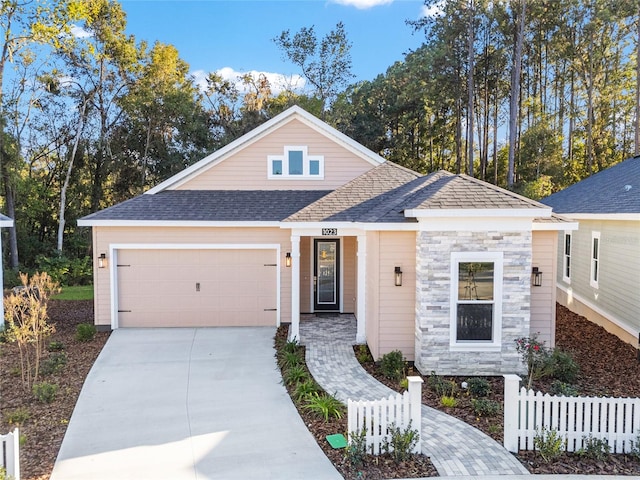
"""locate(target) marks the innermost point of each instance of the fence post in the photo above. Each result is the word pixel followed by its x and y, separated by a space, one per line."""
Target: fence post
pixel 415 407
pixel 511 404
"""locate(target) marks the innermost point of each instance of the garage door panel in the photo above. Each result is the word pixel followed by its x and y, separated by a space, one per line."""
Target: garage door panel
pixel 158 288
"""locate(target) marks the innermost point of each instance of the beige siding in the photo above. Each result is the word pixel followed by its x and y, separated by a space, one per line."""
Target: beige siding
pixel 247 168
pixel 105 236
pixel 349 274
pixel 306 275
pixel 543 299
pixel 617 298
pixel 397 304
pixel 372 301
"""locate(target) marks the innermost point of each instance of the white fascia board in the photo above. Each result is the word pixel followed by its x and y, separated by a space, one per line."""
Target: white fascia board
pixel 479 212
pixel 604 216
pixel 194 246
pixel 259 132
pixel 313 228
pixel 172 223
pixel 475 224
pixel 551 226
pixel 6 223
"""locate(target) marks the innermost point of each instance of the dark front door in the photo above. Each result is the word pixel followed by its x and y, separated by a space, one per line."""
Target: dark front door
pixel 326 275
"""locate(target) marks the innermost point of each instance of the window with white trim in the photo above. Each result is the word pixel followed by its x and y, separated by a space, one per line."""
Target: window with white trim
pixel 595 259
pixel 566 264
pixel 295 163
pixel 476 299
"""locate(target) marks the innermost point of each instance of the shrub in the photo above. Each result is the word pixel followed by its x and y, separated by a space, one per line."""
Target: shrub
pixel 595 448
pixel 563 366
pixel 534 355
pixel 18 416
pixel 66 271
pixel 437 384
pixel 45 392
pixel 85 332
pixel 305 388
pixel 295 374
pixel 448 401
pixel 55 346
pixel 401 442
pixel 563 389
pixel 362 354
pixel 291 346
pixel 324 406
pixel 54 363
pixel 549 444
pixel 483 407
pixel 635 450
pixel 356 450
pixel 392 365
pixel 478 387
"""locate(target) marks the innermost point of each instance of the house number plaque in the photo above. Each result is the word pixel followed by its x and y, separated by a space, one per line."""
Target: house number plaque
pixel 331 232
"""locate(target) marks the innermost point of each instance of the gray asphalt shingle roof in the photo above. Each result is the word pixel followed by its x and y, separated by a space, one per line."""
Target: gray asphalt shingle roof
pixel 614 190
pixel 211 205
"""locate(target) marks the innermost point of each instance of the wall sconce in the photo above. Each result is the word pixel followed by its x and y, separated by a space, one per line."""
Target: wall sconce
pixel 536 277
pixel 287 259
pixel 102 260
pixel 398 275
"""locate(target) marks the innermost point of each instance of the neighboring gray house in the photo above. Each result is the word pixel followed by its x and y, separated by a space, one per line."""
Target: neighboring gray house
pixel 599 264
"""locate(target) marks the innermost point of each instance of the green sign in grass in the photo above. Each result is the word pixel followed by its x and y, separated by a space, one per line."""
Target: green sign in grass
pixel 337 440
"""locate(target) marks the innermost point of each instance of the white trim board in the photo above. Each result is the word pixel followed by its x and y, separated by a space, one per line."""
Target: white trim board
pixel 113 265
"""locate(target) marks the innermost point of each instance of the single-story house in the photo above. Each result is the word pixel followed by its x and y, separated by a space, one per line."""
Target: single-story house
pixel 599 274
pixel 295 217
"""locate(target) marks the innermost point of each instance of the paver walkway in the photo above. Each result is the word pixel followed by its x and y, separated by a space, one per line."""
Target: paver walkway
pixel 455 447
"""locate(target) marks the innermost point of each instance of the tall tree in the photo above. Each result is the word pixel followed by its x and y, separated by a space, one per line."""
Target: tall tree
pixel 515 90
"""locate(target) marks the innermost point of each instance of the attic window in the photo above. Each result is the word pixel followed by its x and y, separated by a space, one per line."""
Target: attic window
pixel 295 163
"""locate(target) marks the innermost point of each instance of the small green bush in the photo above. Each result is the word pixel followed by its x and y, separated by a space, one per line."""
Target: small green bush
pixel 324 406
pixel 356 450
pixel 54 363
pixel 437 384
pixel 484 407
pixel 291 346
pixel 478 387
pixel 448 401
pixel 362 354
pixel 294 374
pixel 288 359
pixel 401 442
pixel 595 448
pixel 55 346
pixel 635 450
pixel 563 366
pixel 549 444
pixel 563 389
pixel 304 389
pixel 45 392
pixel 392 365
pixel 85 332
pixel 17 417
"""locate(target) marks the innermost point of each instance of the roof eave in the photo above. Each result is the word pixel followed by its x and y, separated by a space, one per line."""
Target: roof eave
pixel 479 213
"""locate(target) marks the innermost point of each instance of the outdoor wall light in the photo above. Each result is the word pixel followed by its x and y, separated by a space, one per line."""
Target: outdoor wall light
pixel 398 274
pixel 536 277
pixel 102 260
pixel 287 259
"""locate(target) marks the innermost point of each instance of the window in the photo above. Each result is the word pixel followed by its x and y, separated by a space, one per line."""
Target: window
pixel 595 259
pixel 295 163
pixel 476 306
pixel 566 267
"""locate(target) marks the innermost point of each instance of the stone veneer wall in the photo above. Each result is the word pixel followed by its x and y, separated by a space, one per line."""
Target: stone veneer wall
pixel 433 309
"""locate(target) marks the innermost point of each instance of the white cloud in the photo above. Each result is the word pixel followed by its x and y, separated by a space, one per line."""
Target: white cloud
pixel 278 81
pixel 362 4
pixel 433 11
pixel 79 32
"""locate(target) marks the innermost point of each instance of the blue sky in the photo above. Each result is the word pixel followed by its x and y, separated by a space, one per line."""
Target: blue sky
pixel 235 35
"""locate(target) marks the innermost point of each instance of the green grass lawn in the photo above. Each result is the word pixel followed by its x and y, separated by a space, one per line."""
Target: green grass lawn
pixel 84 292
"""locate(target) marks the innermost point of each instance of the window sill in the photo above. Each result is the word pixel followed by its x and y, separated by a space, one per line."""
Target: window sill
pixel 295 177
pixel 475 347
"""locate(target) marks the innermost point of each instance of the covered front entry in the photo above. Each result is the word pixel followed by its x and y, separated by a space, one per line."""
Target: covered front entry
pixel 196 287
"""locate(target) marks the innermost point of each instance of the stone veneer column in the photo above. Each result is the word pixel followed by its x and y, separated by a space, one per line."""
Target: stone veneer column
pixel 433 309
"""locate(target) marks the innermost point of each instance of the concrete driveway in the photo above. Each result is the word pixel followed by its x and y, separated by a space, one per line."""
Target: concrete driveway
pixel 188 403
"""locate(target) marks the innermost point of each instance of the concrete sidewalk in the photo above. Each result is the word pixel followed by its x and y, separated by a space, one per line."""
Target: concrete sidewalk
pixel 188 403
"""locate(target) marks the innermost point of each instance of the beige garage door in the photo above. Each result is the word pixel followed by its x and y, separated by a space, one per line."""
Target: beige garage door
pixel 196 288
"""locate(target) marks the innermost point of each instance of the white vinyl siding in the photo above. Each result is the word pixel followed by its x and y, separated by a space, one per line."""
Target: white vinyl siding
pixel 595 259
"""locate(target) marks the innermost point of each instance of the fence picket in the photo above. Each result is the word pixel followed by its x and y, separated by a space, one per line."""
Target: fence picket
pixel 10 453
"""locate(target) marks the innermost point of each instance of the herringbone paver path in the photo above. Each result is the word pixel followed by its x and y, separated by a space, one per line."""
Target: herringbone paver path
pixel 455 447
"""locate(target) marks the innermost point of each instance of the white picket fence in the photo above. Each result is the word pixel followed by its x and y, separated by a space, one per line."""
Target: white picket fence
pixel 526 413
pixel 10 454
pixel 376 416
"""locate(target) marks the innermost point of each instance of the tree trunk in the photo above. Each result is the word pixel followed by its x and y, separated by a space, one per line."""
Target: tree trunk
pixel 515 94
pixel 470 89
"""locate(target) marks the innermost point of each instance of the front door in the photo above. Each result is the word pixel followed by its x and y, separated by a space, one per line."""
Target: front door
pixel 326 275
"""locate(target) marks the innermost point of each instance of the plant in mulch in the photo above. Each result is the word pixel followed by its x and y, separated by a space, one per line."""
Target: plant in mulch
pixel 534 355
pixel 392 365
pixel 45 392
pixel 356 450
pixel 85 332
pixel 478 386
pixel 17 417
pixel 549 444
pixel 294 375
pixel 595 448
pixel 484 407
pixel 324 406
pixel 401 442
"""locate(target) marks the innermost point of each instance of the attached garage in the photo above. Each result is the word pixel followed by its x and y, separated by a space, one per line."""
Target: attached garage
pixel 196 287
